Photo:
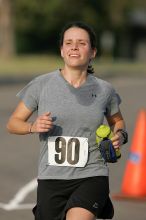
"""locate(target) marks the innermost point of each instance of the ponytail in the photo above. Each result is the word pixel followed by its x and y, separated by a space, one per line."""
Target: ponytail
pixel 90 69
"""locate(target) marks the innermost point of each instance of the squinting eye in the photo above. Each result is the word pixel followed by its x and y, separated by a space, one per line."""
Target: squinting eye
pixel 82 43
pixel 67 43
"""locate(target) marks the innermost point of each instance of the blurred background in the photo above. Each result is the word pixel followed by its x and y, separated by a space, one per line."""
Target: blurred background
pixel 29 46
pixel 29 32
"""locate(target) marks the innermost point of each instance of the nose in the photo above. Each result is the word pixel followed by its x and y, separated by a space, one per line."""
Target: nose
pixel 75 46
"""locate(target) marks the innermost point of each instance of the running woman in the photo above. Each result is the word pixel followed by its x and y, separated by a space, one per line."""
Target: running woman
pixel 71 103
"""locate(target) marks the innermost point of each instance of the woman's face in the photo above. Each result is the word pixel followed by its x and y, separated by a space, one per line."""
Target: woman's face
pixel 76 49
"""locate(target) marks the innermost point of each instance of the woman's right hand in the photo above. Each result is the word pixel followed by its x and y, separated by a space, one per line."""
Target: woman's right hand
pixel 43 123
pixel 18 122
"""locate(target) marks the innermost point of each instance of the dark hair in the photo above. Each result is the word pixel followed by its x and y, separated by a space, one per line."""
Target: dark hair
pixel 90 31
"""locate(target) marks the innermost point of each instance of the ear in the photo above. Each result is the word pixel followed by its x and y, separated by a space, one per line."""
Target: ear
pixel 94 52
pixel 61 51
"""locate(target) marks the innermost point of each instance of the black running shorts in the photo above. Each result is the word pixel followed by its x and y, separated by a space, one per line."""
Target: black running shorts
pixel 55 197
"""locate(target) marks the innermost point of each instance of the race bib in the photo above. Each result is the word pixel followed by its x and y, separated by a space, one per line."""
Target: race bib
pixel 67 151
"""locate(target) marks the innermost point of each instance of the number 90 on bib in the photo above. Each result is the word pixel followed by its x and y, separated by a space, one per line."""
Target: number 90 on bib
pixel 67 151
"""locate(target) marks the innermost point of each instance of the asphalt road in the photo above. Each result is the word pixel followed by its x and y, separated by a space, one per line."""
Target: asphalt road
pixel 19 155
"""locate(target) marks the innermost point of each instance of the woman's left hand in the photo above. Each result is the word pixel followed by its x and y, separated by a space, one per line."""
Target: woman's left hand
pixel 117 140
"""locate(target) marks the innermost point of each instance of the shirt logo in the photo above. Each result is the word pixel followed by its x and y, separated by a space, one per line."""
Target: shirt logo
pixel 94 95
pixel 95 205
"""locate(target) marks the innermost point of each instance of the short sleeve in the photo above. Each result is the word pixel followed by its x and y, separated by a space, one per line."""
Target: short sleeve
pixel 113 104
pixel 30 95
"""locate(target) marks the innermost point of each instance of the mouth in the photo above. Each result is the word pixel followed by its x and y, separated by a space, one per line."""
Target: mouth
pixel 73 55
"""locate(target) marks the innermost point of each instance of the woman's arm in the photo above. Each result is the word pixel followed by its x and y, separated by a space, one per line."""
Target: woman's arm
pixel 116 121
pixel 18 122
pixel 117 124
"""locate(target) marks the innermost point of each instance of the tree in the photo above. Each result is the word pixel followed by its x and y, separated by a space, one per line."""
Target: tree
pixel 38 23
pixel 6 29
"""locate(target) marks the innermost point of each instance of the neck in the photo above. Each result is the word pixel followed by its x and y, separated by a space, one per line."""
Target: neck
pixel 75 77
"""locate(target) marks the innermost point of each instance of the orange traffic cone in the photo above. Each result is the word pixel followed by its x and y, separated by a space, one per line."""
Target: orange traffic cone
pixel 134 182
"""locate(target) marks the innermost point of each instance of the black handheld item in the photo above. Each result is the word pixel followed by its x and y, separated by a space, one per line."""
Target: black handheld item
pixel 107 151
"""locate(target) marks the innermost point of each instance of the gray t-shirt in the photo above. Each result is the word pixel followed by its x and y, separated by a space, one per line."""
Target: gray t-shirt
pixel 76 112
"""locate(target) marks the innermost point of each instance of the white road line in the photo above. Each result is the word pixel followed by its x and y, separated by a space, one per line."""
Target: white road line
pixel 19 197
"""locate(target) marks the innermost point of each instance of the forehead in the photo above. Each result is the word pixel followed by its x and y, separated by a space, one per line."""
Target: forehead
pixel 76 33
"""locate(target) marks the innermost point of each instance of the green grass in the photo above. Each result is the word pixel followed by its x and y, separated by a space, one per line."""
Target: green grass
pixel 114 68
pixel 31 65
